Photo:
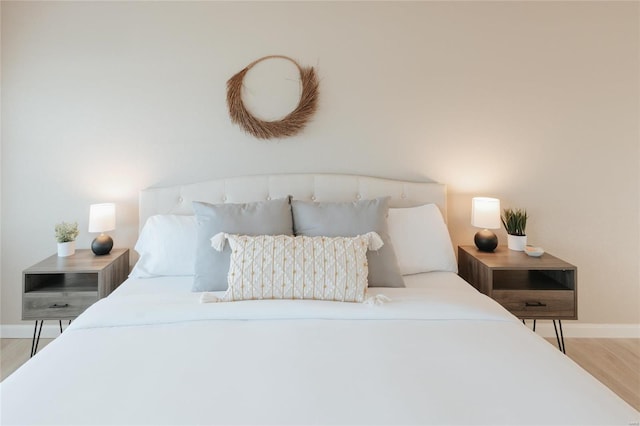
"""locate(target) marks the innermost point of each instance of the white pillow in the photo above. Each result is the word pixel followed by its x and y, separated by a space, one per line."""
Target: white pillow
pixel 287 267
pixel 421 240
pixel 167 246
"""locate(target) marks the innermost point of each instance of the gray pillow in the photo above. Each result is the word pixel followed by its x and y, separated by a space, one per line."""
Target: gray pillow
pixel 348 220
pixel 260 218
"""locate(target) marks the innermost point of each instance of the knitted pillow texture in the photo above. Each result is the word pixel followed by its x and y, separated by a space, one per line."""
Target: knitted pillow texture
pixel 287 267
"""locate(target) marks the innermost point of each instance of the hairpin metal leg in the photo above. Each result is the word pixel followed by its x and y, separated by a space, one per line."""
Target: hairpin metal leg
pixel 36 338
pixel 523 321
pixel 534 326
pixel 559 338
pixel 33 340
pixel 34 348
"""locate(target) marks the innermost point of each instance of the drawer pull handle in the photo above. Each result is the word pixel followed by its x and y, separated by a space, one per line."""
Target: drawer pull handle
pixel 534 304
pixel 55 305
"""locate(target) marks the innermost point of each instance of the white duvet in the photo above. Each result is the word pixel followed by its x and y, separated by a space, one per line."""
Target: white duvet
pixel 439 354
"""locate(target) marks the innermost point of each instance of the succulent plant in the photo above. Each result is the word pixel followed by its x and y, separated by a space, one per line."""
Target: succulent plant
pixel 515 221
pixel 66 232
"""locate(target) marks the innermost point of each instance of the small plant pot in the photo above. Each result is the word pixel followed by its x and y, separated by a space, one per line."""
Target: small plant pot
pixel 516 242
pixel 66 249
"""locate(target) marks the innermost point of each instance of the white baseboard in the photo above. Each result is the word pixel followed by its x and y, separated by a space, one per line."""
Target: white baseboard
pixel 581 330
pixel 51 329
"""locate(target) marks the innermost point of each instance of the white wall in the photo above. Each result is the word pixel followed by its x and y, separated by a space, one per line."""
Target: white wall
pixel 534 103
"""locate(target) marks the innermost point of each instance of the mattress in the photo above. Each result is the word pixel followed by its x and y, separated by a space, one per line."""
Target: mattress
pixel 438 352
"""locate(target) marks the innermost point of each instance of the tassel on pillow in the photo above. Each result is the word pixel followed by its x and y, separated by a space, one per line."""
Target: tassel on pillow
pixel 207 297
pixel 218 240
pixel 377 300
pixel 375 242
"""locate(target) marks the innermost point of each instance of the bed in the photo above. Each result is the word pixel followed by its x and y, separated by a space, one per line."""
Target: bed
pixel 432 352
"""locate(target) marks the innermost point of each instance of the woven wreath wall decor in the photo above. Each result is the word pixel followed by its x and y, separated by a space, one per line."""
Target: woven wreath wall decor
pixel 292 123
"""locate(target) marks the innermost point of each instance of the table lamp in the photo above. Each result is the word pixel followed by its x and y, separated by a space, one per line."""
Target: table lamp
pixel 485 213
pixel 102 218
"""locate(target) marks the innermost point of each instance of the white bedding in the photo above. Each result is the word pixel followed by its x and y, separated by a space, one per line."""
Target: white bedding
pixel 438 353
pixel 174 285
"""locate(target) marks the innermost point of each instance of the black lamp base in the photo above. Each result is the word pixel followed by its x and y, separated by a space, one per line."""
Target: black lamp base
pixel 486 240
pixel 102 245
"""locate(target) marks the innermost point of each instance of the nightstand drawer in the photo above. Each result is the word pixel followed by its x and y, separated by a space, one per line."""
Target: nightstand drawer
pixel 532 304
pixel 39 305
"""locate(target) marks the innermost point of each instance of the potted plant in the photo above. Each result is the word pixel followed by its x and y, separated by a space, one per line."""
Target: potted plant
pixel 66 234
pixel 515 222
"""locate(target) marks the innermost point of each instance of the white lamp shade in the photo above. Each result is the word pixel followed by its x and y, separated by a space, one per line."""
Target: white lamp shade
pixel 102 217
pixel 485 212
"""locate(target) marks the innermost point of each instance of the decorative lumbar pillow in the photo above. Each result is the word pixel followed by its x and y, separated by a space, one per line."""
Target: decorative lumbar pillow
pixel 348 220
pixel 421 240
pixel 167 246
pixel 286 267
pixel 271 217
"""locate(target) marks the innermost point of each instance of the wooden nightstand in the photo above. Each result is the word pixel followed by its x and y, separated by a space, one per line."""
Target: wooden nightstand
pixel 529 287
pixel 61 288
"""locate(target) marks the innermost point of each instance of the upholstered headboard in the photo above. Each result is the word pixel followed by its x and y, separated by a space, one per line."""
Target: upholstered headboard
pixel 316 187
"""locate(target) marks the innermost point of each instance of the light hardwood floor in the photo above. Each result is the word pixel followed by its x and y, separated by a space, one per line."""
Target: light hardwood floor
pixel 615 362
pixel 14 353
